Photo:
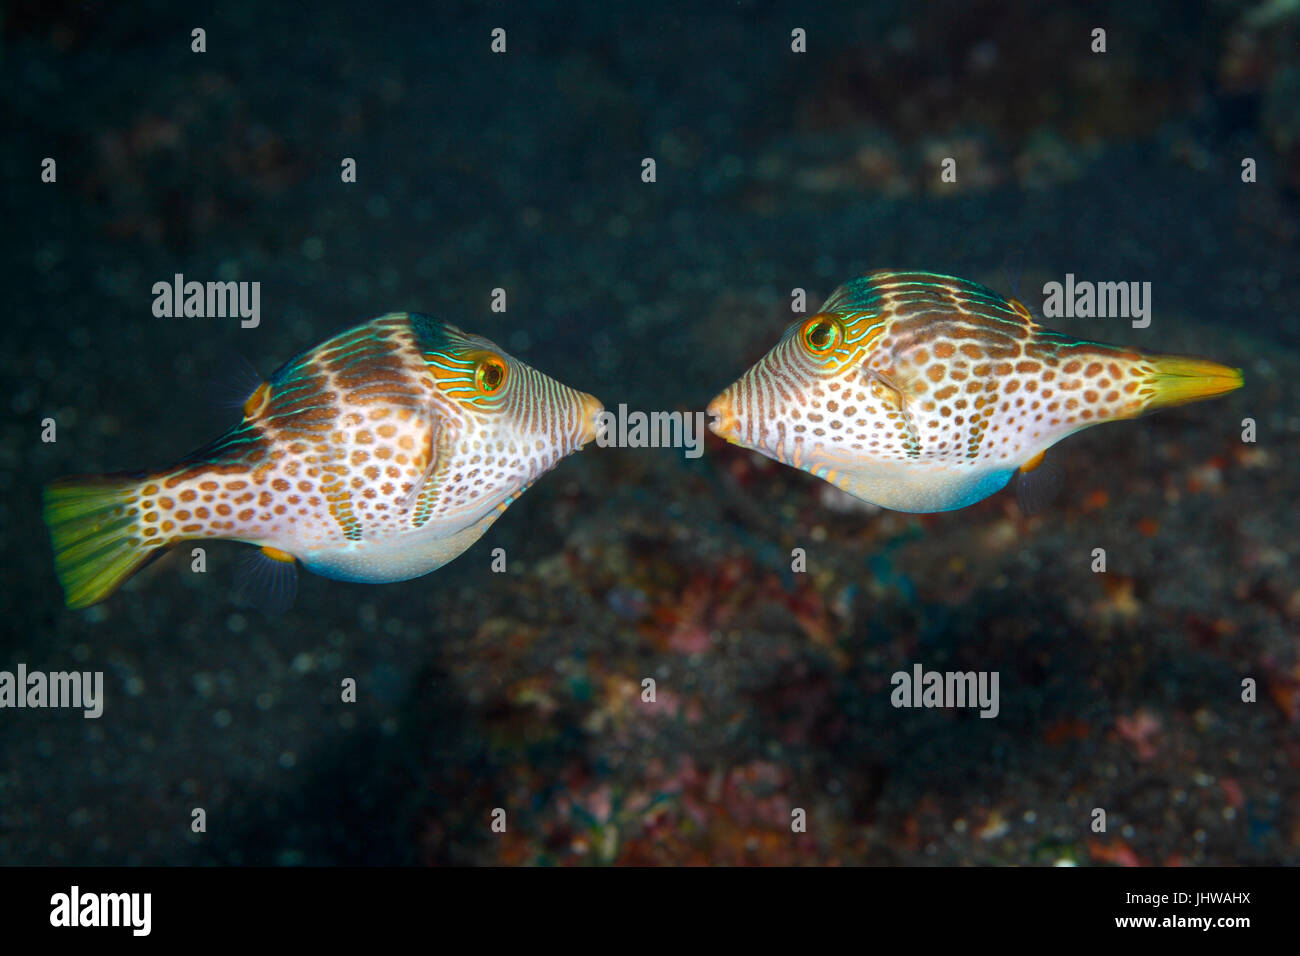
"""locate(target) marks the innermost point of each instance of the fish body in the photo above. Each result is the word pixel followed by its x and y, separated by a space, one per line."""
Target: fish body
pixel 921 392
pixel 379 455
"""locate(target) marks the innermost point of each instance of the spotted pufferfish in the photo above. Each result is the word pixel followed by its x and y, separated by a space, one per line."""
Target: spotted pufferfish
pixel 379 455
pixel 921 392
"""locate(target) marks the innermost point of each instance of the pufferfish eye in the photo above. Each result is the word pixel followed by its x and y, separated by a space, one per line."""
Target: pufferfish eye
pixel 490 375
pixel 821 333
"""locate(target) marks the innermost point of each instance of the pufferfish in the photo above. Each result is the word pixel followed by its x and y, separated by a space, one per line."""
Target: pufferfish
pixel 920 392
pixel 379 455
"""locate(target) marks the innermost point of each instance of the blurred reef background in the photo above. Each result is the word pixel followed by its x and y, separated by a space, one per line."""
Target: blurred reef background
pixel 775 170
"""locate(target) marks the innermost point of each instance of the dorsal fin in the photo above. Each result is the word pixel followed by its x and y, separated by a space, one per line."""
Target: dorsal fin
pixel 257 402
pixel 871 292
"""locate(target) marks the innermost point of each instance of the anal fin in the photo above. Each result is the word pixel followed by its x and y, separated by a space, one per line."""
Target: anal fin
pixel 267 580
pixel 1038 483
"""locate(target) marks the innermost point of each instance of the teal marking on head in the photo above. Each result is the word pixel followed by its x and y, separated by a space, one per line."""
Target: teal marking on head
pixel 291 369
pixel 431 333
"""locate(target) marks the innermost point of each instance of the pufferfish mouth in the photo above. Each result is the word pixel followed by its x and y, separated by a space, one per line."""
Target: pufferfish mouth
pixel 721 421
pixel 763 439
pixel 593 421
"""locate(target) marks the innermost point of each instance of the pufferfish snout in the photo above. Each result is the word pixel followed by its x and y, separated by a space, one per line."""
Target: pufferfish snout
pixel 920 392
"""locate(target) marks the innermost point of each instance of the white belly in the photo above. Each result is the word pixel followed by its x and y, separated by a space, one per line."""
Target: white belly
pixel 394 558
pixel 921 489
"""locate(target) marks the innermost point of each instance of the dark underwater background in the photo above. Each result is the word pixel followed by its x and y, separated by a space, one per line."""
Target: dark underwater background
pixel 775 170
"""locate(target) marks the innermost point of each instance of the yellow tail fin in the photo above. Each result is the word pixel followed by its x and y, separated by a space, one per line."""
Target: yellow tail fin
pixel 1178 380
pixel 97 543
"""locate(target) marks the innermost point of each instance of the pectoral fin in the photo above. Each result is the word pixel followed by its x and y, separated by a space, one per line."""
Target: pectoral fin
pixel 892 393
pixel 420 497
